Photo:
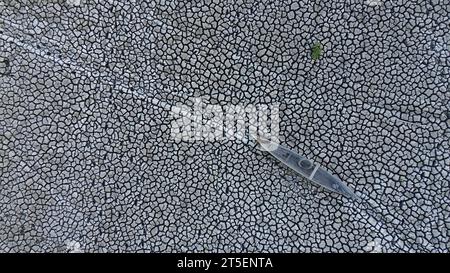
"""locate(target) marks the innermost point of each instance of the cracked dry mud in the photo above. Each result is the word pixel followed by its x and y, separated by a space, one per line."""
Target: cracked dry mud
pixel 87 162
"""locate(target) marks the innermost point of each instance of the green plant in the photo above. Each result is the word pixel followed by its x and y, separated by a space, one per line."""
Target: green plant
pixel 316 51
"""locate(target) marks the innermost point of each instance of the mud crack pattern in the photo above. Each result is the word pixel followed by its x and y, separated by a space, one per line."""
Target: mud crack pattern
pixel 87 162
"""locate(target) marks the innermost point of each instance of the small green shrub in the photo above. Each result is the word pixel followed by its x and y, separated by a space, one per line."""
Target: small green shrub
pixel 316 51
